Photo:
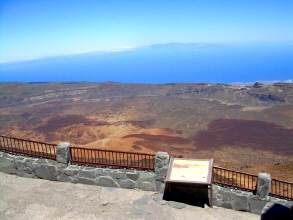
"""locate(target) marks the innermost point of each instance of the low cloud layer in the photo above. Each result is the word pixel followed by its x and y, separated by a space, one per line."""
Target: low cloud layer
pixel 266 82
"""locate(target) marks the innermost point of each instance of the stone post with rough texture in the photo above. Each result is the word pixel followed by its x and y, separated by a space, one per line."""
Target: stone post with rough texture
pixel 161 166
pixel 63 154
pixel 263 186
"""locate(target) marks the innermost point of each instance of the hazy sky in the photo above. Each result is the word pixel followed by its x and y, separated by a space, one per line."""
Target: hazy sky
pixel 37 28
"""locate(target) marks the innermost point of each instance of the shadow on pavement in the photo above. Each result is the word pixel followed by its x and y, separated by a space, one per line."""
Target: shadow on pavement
pixel 278 212
pixel 191 195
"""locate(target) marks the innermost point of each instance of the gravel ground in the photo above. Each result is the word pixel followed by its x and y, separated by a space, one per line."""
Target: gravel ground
pixel 23 198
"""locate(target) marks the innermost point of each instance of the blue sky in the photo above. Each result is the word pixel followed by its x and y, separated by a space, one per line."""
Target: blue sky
pixel 39 28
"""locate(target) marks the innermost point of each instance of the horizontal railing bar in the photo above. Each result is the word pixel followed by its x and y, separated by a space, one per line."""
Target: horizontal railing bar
pixel 234 186
pixel 280 196
pixel 21 149
pixel 28 147
pixel 27 140
pixel 109 164
pixel 282 181
pixel 95 149
pixel 31 154
pixel 282 189
pixel 235 179
pixel 102 157
pixel 277 188
pixel 248 174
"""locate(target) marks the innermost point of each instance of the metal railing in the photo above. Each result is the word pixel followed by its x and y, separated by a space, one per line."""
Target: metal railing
pixel 282 189
pixel 27 147
pixel 92 156
pixel 234 179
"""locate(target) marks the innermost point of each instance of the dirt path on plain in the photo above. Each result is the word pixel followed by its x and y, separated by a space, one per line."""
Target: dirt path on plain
pixel 36 199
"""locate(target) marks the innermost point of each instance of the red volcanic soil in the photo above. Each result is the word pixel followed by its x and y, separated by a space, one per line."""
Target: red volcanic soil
pixel 53 124
pixel 161 139
pixel 245 133
pixel 142 124
pixel 61 121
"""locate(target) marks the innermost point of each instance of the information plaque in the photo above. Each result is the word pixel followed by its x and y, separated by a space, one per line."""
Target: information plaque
pixel 191 172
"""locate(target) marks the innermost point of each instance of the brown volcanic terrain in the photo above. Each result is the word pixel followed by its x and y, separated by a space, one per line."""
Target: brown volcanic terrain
pixel 259 135
pixel 248 128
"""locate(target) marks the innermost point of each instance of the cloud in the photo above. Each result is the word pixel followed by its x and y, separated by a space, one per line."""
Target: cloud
pixel 105 50
pixel 266 82
pixel 242 83
pixel 20 60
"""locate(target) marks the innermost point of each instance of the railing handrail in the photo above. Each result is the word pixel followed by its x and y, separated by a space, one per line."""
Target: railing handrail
pixel 277 186
pixel 248 174
pixel 111 165
pixel 283 181
pixel 128 152
pixel 235 179
pixel 94 156
pixel 20 139
pixel 28 147
pixel 280 188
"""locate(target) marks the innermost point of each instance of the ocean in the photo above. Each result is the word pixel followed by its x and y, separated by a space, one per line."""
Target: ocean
pixel 165 63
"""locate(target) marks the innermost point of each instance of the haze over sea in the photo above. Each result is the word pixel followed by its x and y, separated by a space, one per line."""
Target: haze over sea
pixel 163 63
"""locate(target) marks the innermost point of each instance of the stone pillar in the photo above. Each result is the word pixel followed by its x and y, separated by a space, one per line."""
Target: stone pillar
pixel 263 186
pixel 63 154
pixel 161 166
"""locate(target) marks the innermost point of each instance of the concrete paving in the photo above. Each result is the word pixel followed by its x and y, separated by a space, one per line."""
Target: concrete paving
pixel 24 198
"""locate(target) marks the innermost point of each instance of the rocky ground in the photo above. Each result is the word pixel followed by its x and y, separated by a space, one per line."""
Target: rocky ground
pixel 243 128
pixel 23 198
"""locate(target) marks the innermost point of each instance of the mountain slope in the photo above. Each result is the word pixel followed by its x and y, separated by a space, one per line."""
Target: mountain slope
pixel 241 127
